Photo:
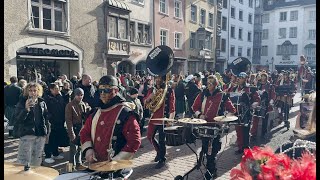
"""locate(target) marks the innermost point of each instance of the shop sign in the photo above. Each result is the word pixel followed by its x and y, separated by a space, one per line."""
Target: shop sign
pixel 287 62
pixel 47 52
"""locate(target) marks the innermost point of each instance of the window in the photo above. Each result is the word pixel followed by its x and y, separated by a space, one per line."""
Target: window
pixel 113 27
pixel 312 34
pixel 264 51
pixel 219 18
pixel 312 16
pixel 218 42
pixel 241 1
pixel 163 6
pixel 132 31
pixel 265 33
pixel 240 15
pixel 257 3
pixel 177 9
pixel 249 36
pixel 239 51
pixel 293 32
pixel 293 15
pixel 249 52
pixel 163 37
pixel 210 20
pixel 177 40
pixel 240 34
pixel 223 45
pixel 270 2
pixel 48 15
pixel 140 33
pixel 203 17
pixel 257 19
pixel 193 40
pixel 291 49
pixel 146 36
pixel 283 16
pixel 232 49
pixel 250 18
pixel 233 12
pixel 122 28
pixel 282 33
pixel 265 18
pixel 224 23
pixel 211 2
pixel 310 54
pixel 225 4
pixel 201 44
pixel 193 13
pixel 251 3
pixel 233 32
pixel 138 1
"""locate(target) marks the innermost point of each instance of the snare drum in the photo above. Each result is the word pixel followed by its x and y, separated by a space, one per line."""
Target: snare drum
pixel 174 135
pixel 77 175
pixel 207 131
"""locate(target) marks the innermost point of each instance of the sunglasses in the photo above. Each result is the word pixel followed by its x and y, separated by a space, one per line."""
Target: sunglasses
pixel 106 90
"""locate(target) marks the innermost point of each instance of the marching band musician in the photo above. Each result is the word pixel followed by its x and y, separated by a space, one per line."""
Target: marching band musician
pixel 264 85
pixel 243 130
pixel 167 109
pixel 112 131
pixel 231 84
pixel 208 104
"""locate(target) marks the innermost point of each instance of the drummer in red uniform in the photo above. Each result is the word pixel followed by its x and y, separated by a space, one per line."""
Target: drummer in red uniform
pixel 208 104
pixel 264 85
pixel 112 132
pixel 242 130
pixel 166 109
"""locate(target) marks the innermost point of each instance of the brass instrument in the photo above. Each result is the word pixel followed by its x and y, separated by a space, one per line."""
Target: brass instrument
pixel 159 63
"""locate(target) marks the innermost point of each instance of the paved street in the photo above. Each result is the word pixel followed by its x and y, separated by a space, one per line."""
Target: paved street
pixel 179 159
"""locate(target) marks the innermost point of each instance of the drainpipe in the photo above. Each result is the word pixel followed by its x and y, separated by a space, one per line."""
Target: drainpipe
pixel 153 25
pixel 228 25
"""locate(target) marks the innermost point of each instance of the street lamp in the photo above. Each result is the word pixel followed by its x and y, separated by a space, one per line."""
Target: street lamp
pixel 272 60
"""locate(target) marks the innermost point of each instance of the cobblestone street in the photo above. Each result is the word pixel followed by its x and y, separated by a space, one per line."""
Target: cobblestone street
pixel 180 159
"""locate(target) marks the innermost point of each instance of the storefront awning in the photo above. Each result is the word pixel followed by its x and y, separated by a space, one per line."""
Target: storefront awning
pixel 118 4
pixel 48 58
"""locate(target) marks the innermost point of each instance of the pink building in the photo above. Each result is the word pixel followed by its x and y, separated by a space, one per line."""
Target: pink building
pixel 169 30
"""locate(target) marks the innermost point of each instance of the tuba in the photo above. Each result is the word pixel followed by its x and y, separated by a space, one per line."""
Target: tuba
pixel 159 63
pixel 240 64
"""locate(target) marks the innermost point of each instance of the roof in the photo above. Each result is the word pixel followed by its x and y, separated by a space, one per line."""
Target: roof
pixel 118 4
pixel 283 3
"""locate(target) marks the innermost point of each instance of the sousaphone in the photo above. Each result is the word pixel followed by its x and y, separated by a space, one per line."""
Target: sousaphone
pixel 240 64
pixel 159 63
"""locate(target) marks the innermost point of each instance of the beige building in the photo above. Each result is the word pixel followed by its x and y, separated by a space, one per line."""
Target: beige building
pixel 55 37
pixel 140 36
pixel 200 25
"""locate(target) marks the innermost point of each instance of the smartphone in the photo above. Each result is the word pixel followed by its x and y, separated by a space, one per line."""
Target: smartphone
pixel 31 101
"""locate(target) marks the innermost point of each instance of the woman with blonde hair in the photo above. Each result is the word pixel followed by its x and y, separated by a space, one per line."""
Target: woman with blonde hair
pixel 32 125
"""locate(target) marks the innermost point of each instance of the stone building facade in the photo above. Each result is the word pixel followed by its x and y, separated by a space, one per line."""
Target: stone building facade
pixel 54 37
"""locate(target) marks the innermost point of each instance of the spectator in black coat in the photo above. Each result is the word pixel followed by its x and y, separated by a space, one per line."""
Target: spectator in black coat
pixel 89 90
pixel 192 90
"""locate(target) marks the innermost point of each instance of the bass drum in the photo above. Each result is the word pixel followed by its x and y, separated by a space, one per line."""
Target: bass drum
pixel 175 135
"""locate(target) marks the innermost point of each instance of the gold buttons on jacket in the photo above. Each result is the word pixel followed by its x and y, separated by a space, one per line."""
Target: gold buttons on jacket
pixel 98 139
pixel 118 121
pixel 114 138
pixel 102 123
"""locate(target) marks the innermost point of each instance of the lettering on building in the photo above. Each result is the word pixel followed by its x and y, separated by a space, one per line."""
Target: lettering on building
pixel 47 52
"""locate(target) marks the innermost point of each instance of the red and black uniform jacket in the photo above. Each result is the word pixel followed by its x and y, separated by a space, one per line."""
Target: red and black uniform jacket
pixel 113 125
pixel 212 105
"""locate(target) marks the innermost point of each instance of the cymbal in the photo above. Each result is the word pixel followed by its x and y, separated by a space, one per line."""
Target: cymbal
pixel 162 119
pixel 225 118
pixel 13 171
pixel 111 166
pixel 192 121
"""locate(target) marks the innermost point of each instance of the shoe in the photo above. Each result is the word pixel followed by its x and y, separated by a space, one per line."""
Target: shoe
pixel 80 167
pixel 60 150
pixel 49 160
pixel 157 158
pixel 58 157
pixel 238 152
pixel 160 164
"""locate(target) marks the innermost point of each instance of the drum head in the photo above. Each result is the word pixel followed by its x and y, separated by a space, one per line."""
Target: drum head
pixel 172 127
pixel 78 175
